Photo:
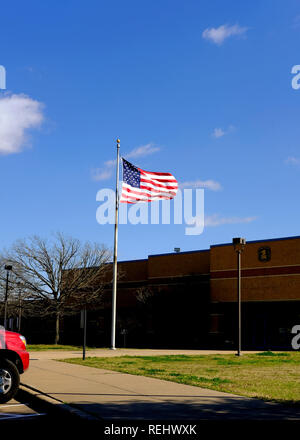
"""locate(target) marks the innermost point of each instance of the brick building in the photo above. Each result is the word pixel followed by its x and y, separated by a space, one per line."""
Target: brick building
pixel 194 296
pixel 189 299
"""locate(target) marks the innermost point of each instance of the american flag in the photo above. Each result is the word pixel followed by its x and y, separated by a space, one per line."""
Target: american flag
pixel 145 186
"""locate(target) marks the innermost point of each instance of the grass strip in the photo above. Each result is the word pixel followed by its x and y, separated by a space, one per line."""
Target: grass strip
pixel 269 376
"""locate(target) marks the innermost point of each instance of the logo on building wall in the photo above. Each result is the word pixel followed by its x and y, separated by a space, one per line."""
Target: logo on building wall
pixel 264 253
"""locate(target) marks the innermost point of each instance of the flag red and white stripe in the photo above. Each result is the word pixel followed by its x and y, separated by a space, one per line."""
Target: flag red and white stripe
pixel 146 186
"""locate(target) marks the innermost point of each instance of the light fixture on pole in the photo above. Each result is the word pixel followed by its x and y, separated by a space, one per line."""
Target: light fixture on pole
pixel 8 268
pixel 239 245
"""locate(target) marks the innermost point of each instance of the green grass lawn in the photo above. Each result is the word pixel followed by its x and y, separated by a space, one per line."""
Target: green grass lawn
pixel 44 347
pixel 269 376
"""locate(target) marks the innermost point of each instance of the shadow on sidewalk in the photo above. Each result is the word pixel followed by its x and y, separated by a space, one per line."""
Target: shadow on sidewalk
pixel 214 415
pixel 211 408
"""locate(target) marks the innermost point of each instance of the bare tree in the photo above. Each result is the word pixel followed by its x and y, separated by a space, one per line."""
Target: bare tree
pixel 15 293
pixel 60 276
pixel 144 294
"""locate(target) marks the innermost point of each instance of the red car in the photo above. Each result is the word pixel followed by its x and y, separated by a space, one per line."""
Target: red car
pixel 14 360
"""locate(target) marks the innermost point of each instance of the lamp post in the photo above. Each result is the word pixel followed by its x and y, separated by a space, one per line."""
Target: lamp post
pixel 83 323
pixel 20 307
pixel 8 268
pixel 239 245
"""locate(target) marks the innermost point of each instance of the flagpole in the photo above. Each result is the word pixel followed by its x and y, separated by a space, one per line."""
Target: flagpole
pixel 115 261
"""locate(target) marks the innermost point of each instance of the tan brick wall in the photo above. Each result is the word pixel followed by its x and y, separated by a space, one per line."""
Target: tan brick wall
pixel 178 264
pixel 257 289
pixel 274 280
pixel 284 252
pixel 133 270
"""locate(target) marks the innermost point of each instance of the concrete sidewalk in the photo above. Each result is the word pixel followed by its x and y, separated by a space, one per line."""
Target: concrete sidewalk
pixel 106 352
pixel 112 395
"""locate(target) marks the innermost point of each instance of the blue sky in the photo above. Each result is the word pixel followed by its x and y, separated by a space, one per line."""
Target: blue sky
pixel 206 85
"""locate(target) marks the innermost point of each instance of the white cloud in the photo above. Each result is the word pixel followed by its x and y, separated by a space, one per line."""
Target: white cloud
pixel 144 150
pixel 208 184
pixel 220 132
pixel 101 174
pixel 219 35
pixel 105 172
pixel 293 160
pixel 216 220
pixel 18 114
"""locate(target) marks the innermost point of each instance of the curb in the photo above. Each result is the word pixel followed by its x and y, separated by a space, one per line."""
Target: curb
pixel 51 404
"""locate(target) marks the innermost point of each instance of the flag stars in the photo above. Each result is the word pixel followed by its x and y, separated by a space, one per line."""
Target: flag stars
pixel 131 174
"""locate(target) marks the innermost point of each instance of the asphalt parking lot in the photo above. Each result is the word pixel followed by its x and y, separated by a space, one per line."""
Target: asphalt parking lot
pixel 22 412
pixel 19 416
pixel 15 410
